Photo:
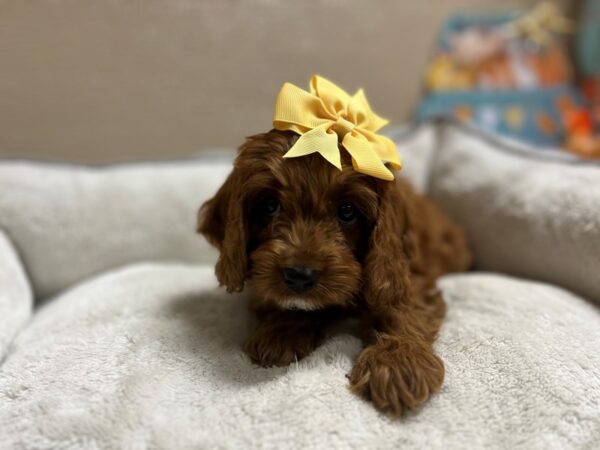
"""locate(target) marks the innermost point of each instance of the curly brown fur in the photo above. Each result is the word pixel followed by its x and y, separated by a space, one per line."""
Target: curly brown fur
pixel 275 220
pixel 283 337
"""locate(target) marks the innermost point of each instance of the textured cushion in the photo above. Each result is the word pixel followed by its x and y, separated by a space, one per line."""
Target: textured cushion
pixel 15 294
pixel 528 212
pixel 150 357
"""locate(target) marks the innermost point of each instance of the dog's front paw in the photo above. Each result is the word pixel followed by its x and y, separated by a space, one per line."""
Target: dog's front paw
pixel 395 375
pixel 278 346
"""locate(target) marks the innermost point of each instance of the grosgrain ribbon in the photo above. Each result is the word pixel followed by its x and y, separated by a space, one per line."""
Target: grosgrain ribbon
pixel 327 114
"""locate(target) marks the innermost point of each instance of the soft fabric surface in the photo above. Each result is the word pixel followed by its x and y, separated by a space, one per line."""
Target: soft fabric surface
pixel 149 357
pixel 417 146
pixel 525 215
pixel 71 222
pixel 15 295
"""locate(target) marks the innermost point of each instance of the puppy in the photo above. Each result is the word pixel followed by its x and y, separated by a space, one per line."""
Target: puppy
pixel 314 244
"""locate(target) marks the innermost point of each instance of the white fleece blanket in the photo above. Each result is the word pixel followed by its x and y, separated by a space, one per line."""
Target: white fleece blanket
pixel 150 357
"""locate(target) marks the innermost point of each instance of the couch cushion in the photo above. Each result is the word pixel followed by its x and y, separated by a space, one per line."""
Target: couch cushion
pixel 529 212
pixel 149 356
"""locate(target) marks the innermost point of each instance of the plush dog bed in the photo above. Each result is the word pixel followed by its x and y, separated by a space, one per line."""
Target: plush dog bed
pixel 132 345
pixel 530 212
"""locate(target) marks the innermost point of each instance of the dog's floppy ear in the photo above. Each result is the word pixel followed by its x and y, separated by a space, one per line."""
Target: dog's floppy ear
pixel 386 266
pixel 221 220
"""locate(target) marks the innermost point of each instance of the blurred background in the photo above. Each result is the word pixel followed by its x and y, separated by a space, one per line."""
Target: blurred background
pixel 99 81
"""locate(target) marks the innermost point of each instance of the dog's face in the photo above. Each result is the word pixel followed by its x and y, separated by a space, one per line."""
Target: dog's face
pixel 297 231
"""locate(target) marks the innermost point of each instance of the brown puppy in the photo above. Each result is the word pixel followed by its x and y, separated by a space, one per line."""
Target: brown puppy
pixel 314 243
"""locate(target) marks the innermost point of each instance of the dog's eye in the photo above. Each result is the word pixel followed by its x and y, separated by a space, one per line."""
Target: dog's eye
pixel 347 213
pixel 270 206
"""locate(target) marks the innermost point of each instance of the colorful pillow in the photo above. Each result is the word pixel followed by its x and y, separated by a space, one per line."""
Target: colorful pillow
pixel 506 73
pixel 584 123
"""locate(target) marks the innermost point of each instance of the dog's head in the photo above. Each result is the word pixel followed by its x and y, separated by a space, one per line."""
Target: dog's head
pixel 301 233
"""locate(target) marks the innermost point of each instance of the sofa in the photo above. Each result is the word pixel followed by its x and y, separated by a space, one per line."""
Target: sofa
pixel 115 334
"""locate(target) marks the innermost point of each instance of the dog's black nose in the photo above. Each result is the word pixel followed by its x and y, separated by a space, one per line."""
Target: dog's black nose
pixel 300 278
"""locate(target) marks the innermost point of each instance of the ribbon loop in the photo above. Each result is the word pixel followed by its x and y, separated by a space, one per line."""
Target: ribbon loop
pixel 327 114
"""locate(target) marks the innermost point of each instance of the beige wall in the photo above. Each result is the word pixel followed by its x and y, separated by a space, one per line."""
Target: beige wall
pixel 101 80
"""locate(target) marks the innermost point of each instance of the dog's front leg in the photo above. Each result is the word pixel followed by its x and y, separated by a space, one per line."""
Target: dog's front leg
pixel 283 337
pixel 398 370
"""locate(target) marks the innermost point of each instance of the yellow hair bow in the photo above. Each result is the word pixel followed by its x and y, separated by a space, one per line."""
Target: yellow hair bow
pixel 326 114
